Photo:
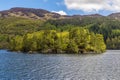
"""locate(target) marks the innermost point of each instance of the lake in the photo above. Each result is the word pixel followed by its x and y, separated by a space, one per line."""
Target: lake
pixel 19 66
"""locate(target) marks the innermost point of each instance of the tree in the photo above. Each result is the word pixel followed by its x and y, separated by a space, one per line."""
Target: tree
pixel 16 43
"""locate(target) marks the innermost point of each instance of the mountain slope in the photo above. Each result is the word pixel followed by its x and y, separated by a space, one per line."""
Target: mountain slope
pixel 114 16
pixel 20 21
pixel 42 14
pixel 29 13
pixel 32 13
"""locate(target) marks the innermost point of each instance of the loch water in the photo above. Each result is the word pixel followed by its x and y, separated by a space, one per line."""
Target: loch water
pixel 22 66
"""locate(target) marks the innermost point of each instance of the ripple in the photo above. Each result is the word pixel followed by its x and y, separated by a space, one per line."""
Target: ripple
pixel 14 66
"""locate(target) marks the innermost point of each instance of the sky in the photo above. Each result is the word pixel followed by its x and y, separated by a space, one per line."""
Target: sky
pixel 66 7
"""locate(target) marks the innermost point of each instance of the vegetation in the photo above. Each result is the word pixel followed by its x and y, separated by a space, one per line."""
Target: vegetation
pixel 60 35
pixel 109 28
pixel 77 40
pixel 12 26
pixel 18 26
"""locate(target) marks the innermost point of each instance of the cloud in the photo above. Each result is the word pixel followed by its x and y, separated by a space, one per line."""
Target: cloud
pixel 60 12
pixel 93 5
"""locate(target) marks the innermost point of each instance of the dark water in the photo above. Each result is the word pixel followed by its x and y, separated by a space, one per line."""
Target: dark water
pixel 19 66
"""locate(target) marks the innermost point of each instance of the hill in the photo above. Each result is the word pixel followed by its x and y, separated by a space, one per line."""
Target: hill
pixel 21 21
pixel 29 13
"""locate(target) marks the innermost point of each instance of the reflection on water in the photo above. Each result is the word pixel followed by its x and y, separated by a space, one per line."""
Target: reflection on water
pixel 19 66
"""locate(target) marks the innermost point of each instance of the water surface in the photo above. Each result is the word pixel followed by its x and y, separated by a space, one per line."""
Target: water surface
pixel 19 66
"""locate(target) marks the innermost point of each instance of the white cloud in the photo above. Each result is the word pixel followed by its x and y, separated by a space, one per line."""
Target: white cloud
pixel 60 12
pixel 93 5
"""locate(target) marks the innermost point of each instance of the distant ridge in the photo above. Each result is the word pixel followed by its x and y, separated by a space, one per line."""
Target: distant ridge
pixel 42 14
pixel 29 13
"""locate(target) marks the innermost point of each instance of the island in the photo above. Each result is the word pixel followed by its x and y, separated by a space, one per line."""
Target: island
pixel 76 40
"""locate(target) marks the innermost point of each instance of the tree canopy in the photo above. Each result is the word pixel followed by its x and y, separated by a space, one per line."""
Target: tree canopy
pixel 77 40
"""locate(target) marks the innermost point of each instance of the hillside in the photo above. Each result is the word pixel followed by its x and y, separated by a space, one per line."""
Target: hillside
pixel 29 13
pixel 32 13
pixel 21 21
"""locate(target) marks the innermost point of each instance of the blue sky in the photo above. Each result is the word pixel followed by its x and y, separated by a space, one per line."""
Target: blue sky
pixel 69 7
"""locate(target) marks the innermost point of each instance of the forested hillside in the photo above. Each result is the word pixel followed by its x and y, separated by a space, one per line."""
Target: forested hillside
pixel 13 26
pixel 109 28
